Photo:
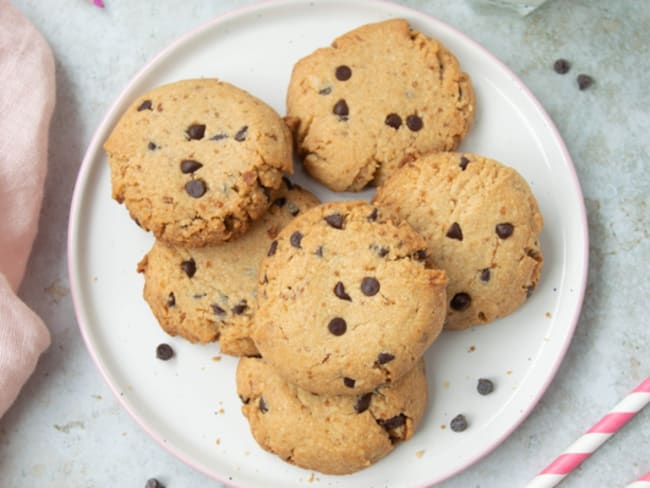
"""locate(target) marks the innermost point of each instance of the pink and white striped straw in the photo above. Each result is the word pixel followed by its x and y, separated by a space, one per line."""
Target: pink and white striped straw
pixel 642 482
pixel 595 437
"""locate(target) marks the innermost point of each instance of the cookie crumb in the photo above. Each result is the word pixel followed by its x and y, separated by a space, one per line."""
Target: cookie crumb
pixel 509 371
pixel 217 441
pixel 471 349
pixel 419 453
pixel 547 315
pixel 216 358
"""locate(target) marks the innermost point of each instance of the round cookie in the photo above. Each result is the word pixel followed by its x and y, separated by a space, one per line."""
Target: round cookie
pixel 381 94
pixel 209 293
pixel 196 161
pixel 346 301
pixel 331 434
pixel 481 222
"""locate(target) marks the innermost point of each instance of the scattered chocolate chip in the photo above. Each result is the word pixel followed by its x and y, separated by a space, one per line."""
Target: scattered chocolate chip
pixel 219 136
pixel 458 423
pixel 485 275
pixel 504 230
pixel 414 122
pixel 335 220
pixel 369 286
pixel 189 267
pixel 195 131
pixel 240 308
pixel 262 405
pixel 146 105
pixel 349 382
pixel 561 66
pixel 195 188
pixel 290 184
pixel 420 255
pixel 272 248
pixel 455 232
pixel 384 357
pixel 190 166
pixel 463 163
pixel 217 309
pixel 343 73
pixel 171 300
pixel 296 239
pixel 393 422
pixel 460 301
pixel 341 109
pixel 152 146
pixel 584 81
pixel 484 386
pixel 319 251
pixel 325 91
pixel 279 202
pixel 153 483
pixel 363 403
pixel 240 136
pixel 337 326
pixel 164 352
pixel 373 215
pixel 393 120
pixel 339 291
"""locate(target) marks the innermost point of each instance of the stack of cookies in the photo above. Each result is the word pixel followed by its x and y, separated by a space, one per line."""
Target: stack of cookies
pixel 331 306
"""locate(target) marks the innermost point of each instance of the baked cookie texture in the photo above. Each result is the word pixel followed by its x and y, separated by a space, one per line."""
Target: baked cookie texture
pixel 381 94
pixel 330 434
pixel 196 161
pixel 209 293
pixel 346 301
pixel 481 223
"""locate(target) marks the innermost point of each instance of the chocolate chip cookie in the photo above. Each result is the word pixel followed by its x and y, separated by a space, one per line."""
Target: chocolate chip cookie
pixel 196 161
pixel 346 300
pixel 381 94
pixel 209 293
pixel 481 223
pixel 331 434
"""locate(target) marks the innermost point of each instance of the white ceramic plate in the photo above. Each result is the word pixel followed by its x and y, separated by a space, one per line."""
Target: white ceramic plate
pixel 189 404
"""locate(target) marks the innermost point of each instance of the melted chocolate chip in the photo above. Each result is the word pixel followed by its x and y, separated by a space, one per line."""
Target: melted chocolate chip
pixel 195 131
pixel 363 403
pixel 455 232
pixel 485 275
pixel 393 422
pixel 296 239
pixel 343 73
pixel 240 136
pixel 189 267
pixel 458 423
pixel 146 105
pixel 584 81
pixel 341 109
pixel 484 386
pixel 279 202
pixel 463 163
pixel 195 188
pixel 152 146
pixel 190 166
pixel 262 405
pixel 337 326
pixel 335 220
pixel 369 286
pixel 325 91
pixel 240 308
pixel 384 357
pixel 171 300
pixel 339 291
pixel 393 120
pixel 164 352
pixel 217 309
pixel 460 301
pixel 504 230
pixel 349 382
pixel 420 255
pixel 373 215
pixel 561 66
pixel 414 122
pixel 272 248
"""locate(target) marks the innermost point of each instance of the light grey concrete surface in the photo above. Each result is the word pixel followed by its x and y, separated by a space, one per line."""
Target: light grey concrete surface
pixel 67 429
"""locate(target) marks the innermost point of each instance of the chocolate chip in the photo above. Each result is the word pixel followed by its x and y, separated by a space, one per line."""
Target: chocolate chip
pixel 146 105
pixel 414 122
pixel 293 208
pixel 384 357
pixel 363 403
pixel 152 146
pixel 240 308
pixel 296 239
pixel 373 215
pixel 420 255
pixel 325 91
pixel 584 81
pixel 339 291
pixel 153 483
pixel 485 275
pixel 279 202
pixel 195 188
pixel 240 136
pixel 455 232
pixel 484 386
pixel 219 136
pixel 393 120
pixel 290 184
pixel 561 66
pixel 217 309
pixel 272 248
pixel 244 400
pixel 504 230
pixel 171 300
pixel 529 290
pixel 335 220
pixel 343 73
pixel 189 267
pixel 349 382
pixel 195 131
pixel 190 166
pixel 341 109
pixel 460 301
pixel 262 405
pixel 393 422
pixel 380 250
pixel 337 326
pixel 463 163
pixel 164 352
pixel 319 251
pixel 458 423
pixel 369 286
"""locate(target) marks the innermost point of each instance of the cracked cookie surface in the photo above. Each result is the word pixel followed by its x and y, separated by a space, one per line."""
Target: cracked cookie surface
pixel 196 161
pixel 331 434
pixel 380 94
pixel 346 301
pixel 209 293
pixel 481 223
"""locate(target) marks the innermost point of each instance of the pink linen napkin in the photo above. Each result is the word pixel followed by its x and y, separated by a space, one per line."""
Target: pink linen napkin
pixel 26 104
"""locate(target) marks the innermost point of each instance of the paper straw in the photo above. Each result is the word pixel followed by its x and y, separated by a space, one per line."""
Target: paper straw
pixel 595 437
pixel 642 482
